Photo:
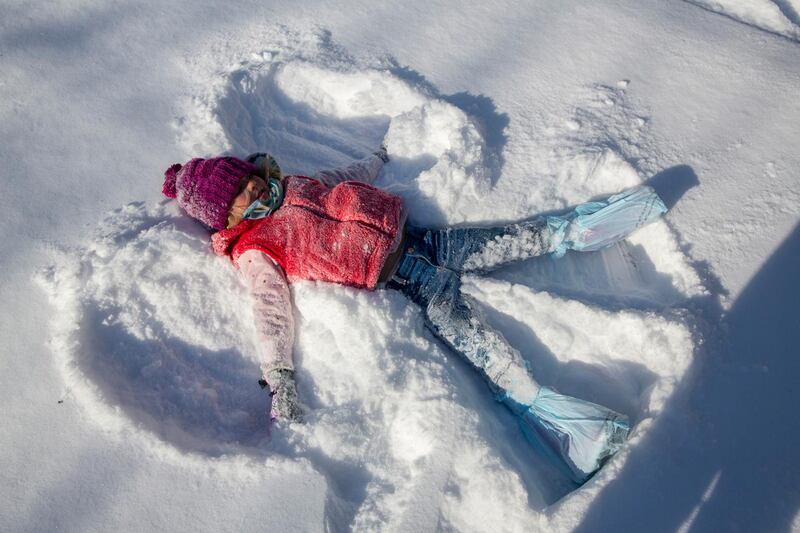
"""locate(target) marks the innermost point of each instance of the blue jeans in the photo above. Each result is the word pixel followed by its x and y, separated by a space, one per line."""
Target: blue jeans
pixel 429 274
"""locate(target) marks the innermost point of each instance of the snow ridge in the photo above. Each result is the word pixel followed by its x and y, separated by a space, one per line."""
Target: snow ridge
pixel 781 17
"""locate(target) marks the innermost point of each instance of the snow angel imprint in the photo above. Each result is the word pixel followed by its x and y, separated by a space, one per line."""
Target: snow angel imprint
pixel 336 227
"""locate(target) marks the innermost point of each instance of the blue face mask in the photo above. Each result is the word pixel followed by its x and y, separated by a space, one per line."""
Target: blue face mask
pixel 256 210
pixel 262 208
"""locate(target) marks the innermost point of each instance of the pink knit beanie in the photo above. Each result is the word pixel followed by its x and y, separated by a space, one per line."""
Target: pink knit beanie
pixel 205 188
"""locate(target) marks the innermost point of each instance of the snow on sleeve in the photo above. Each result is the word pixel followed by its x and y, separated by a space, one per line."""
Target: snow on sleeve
pixel 365 170
pixel 272 310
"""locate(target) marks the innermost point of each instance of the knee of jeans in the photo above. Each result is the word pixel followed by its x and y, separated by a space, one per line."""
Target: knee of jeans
pixel 438 310
pixel 446 310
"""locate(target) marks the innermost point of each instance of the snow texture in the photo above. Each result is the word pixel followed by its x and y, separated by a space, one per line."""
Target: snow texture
pixel 128 370
pixel 524 240
pixel 153 334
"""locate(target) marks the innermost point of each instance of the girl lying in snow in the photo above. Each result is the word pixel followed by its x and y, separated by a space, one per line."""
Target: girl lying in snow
pixel 338 228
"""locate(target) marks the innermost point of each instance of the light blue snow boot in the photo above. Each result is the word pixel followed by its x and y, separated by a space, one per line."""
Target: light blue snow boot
pixel 595 225
pixel 578 436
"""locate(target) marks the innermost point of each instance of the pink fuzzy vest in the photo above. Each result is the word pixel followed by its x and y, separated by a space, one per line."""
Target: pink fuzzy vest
pixel 340 234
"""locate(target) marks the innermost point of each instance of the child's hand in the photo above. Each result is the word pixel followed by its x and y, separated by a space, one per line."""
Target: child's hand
pixel 285 403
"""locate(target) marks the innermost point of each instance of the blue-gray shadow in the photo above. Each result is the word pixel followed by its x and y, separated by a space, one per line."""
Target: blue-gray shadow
pixel 60 36
pixel 60 507
pixel 672 183
pixel 789 11
pixel 731 428
pixel 200 400
pixel 621 276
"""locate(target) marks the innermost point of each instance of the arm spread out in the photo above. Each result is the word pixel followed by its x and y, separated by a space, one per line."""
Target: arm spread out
pixel 364 170
pixel 272 310
pixel 272 304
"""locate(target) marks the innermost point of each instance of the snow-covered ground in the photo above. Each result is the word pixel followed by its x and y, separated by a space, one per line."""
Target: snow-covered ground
pixel 778 16
pixel 128 371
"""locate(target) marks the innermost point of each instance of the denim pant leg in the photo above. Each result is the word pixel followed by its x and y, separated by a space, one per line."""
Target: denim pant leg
pixel 577 435
pixel 484 249
pixel 455 319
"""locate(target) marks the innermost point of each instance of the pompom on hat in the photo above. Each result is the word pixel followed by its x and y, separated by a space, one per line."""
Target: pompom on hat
pixel 205 188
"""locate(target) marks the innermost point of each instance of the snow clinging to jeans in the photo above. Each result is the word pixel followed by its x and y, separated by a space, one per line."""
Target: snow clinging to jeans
pixel 519 241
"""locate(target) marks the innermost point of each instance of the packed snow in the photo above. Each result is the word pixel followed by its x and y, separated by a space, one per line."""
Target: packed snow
pixel 129 374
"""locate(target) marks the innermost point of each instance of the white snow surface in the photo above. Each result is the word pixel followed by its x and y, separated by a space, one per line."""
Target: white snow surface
pixel 128 377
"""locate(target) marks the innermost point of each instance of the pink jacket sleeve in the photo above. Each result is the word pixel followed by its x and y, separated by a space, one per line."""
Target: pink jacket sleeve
pixel 364 170
pixel 272 309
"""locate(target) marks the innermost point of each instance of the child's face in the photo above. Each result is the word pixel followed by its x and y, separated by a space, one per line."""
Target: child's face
pixel 252 189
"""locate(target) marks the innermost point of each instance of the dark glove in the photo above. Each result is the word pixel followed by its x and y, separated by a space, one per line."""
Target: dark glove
pixel 382 152
pixel 285 403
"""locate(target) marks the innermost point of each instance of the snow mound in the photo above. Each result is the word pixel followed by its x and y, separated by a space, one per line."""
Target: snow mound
pixel 154 337
pixel 775 16
pixel 311 118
